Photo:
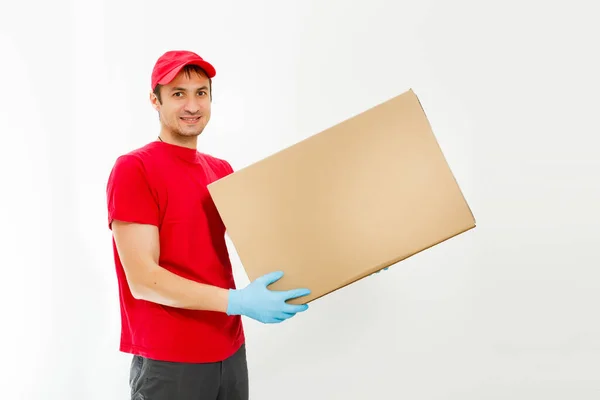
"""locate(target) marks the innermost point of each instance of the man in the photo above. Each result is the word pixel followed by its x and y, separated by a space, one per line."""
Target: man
pixel 180 309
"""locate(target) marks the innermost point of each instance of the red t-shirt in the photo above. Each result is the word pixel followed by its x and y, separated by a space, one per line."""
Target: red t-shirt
pixel 166 185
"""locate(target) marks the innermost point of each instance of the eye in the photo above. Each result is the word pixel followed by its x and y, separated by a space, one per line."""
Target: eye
pixel 202 92
pixel 176 94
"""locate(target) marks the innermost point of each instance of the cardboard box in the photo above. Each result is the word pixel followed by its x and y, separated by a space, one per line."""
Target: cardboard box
pixel 344 203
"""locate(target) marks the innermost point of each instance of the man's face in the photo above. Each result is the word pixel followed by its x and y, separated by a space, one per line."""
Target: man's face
pixel 185 108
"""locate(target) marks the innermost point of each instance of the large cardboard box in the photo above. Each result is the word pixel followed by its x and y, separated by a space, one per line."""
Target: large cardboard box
pixel 344 203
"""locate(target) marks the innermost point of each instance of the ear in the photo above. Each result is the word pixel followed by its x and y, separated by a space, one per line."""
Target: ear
pixel 154 101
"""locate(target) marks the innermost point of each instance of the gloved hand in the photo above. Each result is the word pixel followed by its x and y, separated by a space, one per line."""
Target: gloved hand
pixel 256 301
pixel 376 272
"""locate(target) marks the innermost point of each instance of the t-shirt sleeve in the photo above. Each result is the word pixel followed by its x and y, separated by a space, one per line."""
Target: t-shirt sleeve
pixel 129 194
pixel 228 168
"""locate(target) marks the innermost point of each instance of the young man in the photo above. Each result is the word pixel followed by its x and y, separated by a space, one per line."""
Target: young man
pixel 180 309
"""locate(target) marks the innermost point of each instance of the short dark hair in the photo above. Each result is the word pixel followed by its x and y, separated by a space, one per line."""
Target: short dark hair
pixel 187 70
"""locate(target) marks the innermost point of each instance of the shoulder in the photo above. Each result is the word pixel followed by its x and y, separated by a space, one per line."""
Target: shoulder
pixel 134 163
pixel 145 154
pixel 218 164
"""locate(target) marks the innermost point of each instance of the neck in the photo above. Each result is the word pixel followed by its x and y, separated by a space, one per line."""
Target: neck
pixel 189 142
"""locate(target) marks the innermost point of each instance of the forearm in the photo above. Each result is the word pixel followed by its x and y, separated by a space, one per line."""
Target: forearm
pixel 161 286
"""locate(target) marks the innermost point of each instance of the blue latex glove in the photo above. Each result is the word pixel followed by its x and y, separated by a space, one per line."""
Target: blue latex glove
pixel 256 301
pixel 385 269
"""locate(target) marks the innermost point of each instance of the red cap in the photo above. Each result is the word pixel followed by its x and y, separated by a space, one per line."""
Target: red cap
pixel 170 63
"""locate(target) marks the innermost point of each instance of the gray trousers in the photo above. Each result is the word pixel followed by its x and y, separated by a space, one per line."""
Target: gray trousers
pixel 161 380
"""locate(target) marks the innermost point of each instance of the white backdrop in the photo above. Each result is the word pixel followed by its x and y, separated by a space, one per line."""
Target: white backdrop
pixel 507 311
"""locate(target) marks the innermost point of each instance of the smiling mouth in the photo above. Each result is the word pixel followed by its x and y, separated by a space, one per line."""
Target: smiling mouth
pixel 190 120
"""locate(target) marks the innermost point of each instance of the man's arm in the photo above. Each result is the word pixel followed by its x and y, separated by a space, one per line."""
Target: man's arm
pixel 139 249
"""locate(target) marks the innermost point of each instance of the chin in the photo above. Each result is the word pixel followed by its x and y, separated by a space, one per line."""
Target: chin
pixel 190 132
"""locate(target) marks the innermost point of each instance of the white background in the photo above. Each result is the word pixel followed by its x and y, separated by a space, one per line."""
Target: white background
pixel 506 311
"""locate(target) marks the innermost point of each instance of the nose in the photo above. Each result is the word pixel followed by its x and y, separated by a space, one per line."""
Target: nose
pixel 192 106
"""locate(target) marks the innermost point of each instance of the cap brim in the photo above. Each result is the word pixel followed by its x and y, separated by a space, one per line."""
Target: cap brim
pixel 207 67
